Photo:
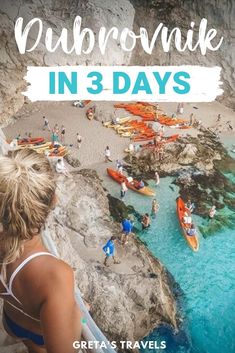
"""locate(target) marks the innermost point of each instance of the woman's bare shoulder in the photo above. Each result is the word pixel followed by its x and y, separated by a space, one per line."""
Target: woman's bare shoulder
pixel 45 275
pixel 49 267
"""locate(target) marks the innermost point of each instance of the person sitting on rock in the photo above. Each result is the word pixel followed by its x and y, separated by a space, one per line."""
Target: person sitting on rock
pixel 109 249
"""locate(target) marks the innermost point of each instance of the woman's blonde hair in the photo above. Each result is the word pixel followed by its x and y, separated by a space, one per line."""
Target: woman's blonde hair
pixel 27 188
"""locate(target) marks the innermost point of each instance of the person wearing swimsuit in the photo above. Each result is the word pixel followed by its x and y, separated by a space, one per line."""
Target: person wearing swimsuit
pixel 37 288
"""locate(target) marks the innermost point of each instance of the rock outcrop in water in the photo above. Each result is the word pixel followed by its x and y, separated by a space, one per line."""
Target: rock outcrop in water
pixel 123 13
pixel 127 300
pixel 199 166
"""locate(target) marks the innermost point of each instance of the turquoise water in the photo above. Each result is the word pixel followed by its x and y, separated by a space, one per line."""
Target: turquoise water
pixel 207 278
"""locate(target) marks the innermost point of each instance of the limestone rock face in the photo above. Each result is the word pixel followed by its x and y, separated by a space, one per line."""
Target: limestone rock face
pixel 128 299
pixel 188 155
pixel 185 154
pixel 57 15
pixel 122 13
pixel 173 13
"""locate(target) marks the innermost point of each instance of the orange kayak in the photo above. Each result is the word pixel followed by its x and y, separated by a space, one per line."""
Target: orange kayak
pixel 119 178
pixel 171 138
pixel 181 209
pixel 149 112
pixel 139 138
pixel 58 152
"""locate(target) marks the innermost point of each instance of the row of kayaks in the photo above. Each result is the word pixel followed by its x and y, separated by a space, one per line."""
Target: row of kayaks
pixel 137 130
pixel 133 129
pixel 181 207
pixel 149 112
pixel 39 145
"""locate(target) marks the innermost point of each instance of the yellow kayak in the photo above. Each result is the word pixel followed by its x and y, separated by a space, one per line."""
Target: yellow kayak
pixel 126 134
pixel 120 122
pixel 35 147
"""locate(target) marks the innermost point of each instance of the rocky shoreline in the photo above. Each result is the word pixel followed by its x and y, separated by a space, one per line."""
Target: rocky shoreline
pixel 200 167
pixel 127 300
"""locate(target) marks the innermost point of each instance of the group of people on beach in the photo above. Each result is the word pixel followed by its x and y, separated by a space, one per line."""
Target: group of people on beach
pixel 58 133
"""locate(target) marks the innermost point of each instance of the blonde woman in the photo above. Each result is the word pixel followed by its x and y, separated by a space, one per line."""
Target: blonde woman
pixel 37 288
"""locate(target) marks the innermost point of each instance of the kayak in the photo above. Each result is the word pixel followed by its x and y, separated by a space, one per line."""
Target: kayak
pixel 168 139
pixel 119 178
pixel 137 131
pixel 143 138
pixel 31 141
pixel 132 127
pixel 36 147
pixel 51 151
pixel 126 134
pixel 191 240
pixel 120 122
pixel 57 152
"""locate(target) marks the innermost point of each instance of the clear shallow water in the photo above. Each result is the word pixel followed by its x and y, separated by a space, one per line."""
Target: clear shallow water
pixel 207 278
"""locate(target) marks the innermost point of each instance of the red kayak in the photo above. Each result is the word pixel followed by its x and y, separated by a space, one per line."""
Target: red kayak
pixel 31 141
pixel 119 178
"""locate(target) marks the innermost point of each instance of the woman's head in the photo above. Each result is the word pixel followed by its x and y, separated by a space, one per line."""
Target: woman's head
pixel 27 189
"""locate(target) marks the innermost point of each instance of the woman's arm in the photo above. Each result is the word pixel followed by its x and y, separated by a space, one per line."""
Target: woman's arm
pixel 59 313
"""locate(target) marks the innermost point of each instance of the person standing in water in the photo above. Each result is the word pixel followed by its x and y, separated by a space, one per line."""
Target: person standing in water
pixel 123 188
pixel 145 221
pixel 155 207
pixel 37 287
pixel 212 212
pixel 157 178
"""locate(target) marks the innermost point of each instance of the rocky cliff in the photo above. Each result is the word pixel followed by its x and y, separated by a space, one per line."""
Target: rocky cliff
pixel 120 13
pixel 127 300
